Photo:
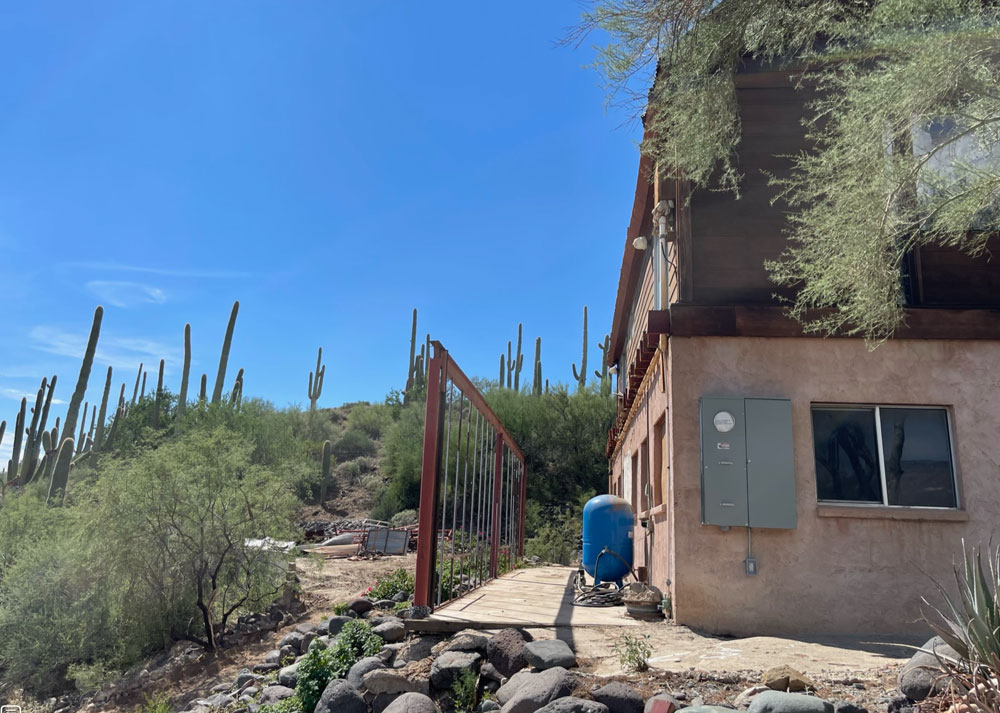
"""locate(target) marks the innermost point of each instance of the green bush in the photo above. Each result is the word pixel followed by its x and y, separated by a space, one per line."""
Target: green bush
pixel 403 518
pixel 352 445
pixel 398 581
pixel 354 642
pixel 463 691
pixel 371 419
pixel 403 447
pixel 315 671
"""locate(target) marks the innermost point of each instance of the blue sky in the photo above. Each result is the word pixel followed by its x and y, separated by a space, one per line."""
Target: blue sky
pixel 330 165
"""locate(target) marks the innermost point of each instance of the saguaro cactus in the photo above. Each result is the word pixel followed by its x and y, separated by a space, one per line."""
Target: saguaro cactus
pixel 503 370
pixel 73 410
pixel 324 483
pixel 185 372
pixel 60 473
pixel 220 378
pixel 236 396
pixel 15 456
pixel 316 382
pixel 519 360
pixel 138 378
pixel 103 413
pixel 83 427
pixel 603 375
pixel 157 396
pixel 536 384
pixel 202 395
pixel 410 374
pixel 581 378
pixel 40 415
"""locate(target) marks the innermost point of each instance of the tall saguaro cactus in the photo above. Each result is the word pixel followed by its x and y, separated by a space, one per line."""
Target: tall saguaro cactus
pixel 60 473
pixel 536 383
pixel 157 396
pixel 581 377
pixel 518 360
pixel 324 483
pixel 138 378
pixel 33 434
pixel 410 374
pixel 316 382
pixel 220 378
pixel 185 373
pixel 236 396
pixel 603 375
pixel 103 414
pixel 13 466
pixel 73 410
pixel 203 394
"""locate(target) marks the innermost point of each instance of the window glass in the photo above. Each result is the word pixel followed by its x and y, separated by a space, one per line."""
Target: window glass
pixel 846 455
pixel 917 457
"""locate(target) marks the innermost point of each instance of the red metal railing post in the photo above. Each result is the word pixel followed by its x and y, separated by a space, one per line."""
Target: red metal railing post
pixel 497 483
pixel 524 502
pixel 427 539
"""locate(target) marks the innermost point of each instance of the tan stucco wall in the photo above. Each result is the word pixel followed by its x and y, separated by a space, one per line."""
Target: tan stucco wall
pixel 830 574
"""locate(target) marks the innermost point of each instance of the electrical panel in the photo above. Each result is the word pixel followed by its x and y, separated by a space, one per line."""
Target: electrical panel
pixel 748 471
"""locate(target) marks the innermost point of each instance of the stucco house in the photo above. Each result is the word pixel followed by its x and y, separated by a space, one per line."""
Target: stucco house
pixel 785 483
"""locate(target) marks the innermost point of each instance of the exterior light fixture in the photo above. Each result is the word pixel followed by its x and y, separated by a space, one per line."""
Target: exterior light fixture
pixel 613 369
pixel 639 243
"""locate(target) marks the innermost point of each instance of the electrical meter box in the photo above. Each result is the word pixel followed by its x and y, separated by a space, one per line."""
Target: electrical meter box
pixel 747 467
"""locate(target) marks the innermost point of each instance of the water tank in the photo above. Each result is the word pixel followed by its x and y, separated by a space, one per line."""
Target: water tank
pixel 607 522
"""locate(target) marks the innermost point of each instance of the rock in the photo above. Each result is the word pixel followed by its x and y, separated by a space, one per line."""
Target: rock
pixel 786 678
pixel 335 623
pixel 707 709
pixel 505 650
pixel 273 694
pixel 848 707
pixel 289 675
pixel 549 654
pixel 385 604
pixel 400 597
pixel 363 666
pixel 391 631
pixel 219 700
pixel 244 677
pixel 619 698
pixel 272 656
pixel 922 676
pixel 539 690
pixel 265 667
pixel 416 612
pixel 489 672
pixel 394 681
pixel 307 639
pixel 251 691
pixel 339 696
pixel 779 702
pixel 743 700
pixel 512 685
pixel 320 642
pixel 468 642
pixel 416 649
pixel 487 706
pixel 288 651
pixel 569 704
pixel 307 628
pixel 411 703
pixel 380 702
pixel 449 665
pixel 293 639
pixel 360 605
pixel 662 703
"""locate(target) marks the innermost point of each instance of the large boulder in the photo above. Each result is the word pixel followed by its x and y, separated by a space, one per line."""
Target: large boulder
pixel 619 698
pixel 219 700
pixel 273 694
pixel 339 696
pixel 391 630
pixel 512 685
pixel 335 623
pixel 780 702
pixel 663 703
pixel 539 690
pixel 411 703
pixel 467 642
pixel 416 649
pixel 292 639
pixel 569 704
pixel 394 681
pixel 505 650
pixel 922 676
pixel 549 654
pixel 357 673
pixel 289 675
pixel 360 606
pixel 447 667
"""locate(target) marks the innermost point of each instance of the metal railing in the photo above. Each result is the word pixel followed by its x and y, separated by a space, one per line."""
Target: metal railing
pixel 472 489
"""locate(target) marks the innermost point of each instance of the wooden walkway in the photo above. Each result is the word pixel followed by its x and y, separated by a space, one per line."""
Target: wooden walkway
pixel 536 597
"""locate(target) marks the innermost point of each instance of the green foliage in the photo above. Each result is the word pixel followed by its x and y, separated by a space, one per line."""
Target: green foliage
pixel 158 703
pixel 352 444
pixel 371 419
pixel 633 651
pixel 553 532
pixel 398 581
pixel 403 518
pixel 285 705
pixel 315 671
pixel 340 608
pixel 403 451
pixel 463 691
pixel 354 642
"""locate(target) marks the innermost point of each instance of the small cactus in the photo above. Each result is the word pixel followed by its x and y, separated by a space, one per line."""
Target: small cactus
pixel 519 361
pixel 236 395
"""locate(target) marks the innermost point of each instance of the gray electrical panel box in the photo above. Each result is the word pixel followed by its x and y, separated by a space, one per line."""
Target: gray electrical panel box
pixel 748 471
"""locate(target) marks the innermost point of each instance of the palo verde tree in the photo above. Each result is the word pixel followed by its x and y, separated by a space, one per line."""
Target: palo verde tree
pixel 902 137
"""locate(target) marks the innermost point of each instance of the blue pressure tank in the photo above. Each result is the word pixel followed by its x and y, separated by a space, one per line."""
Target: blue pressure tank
pixel 607 522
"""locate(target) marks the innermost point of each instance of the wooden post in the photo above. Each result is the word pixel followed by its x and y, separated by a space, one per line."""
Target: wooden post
pixel 423 594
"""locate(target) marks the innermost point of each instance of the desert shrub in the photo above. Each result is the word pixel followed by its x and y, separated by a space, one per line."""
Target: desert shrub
pixel 272 437
pixel 24 519
pixel 340 608
pixel 392 584
pixel 463 691
pixel 353 444
pixel 403 518
pixel 403 447
pixel 315 671
pixel 367 464
pixel 371 419
pixel 303 476
pixel 158 703
pixel 553 533
pixel 354 642
pixel 349 472
pixel 633 651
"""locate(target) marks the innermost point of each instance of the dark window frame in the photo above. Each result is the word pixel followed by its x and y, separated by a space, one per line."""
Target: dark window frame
pixel 876 409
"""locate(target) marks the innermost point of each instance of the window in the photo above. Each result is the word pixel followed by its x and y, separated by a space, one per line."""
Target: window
pixel 659 448
pixel 884 455
pixel 633 498
pixel 644 489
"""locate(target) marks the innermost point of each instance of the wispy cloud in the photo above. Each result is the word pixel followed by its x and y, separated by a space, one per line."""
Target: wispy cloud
pixel 18 394
pixel 119 352
pixel 167 272
pixel 126 294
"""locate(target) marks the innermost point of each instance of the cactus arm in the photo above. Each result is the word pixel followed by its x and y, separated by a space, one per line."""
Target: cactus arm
pixel 73 410
pixel 135 391
pixel 503 371
pixel 103 414
pixel 220 377
pixel 142 391
pixel 519 360
pixel 83 426
pixel 410 375
pixel 18 437
pixel 60 473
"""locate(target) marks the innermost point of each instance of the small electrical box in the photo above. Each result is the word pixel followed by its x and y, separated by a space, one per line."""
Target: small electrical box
pixel 751 564
pixel 748 470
